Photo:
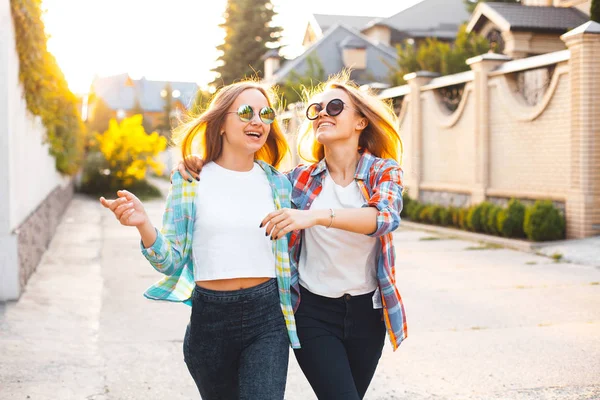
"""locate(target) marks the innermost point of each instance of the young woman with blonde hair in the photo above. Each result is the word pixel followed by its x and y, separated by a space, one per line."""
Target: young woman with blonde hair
pixel 346 205
pixel 214 255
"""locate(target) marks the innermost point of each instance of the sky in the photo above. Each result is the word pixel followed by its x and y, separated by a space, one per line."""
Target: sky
pixel 171 40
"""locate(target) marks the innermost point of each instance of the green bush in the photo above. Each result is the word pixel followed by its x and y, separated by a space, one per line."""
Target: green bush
pixel 407 204
pixel 435 214
pixel 543 222
pixel 477 217
pixel 425 214
pixel 446 216
pixel 510 220
pixel 492 220
pixel 486 206
pixel 463 213
pixel 415 212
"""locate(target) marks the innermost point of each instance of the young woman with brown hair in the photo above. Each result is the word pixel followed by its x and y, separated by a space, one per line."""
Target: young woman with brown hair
pixel 214 255
pixel 346 204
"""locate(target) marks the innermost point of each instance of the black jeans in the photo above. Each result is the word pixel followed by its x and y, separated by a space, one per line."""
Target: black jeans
pixel 342 340
pixel 236 345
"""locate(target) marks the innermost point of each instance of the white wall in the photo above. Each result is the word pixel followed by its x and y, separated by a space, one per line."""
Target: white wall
pixel 27 172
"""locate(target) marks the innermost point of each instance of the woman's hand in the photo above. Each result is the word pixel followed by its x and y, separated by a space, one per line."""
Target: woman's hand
pixel 281 222
pixel 128 209
pixel 195 162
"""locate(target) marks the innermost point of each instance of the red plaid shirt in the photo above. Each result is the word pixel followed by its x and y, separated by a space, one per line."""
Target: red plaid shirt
pixel 380 181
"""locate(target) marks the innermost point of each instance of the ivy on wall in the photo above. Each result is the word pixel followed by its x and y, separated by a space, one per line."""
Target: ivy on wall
pixel 46 91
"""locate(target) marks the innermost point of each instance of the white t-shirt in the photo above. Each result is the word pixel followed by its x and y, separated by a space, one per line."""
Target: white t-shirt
pixel 228 242
pixel 334 262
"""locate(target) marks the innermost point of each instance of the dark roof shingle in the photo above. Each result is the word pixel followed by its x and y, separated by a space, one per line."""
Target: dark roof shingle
pixel 547 19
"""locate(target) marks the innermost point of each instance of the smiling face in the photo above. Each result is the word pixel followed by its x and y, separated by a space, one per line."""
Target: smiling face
pixel 343 127
pixel 241 137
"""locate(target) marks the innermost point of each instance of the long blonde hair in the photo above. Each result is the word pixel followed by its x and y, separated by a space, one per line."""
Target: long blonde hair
pixel 207 127
pixel 380 137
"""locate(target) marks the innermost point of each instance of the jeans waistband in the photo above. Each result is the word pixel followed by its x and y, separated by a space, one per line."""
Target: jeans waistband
pixel 253 292
pixel 367 297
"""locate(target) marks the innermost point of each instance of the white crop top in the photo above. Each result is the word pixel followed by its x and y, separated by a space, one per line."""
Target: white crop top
pixel 334 262
pixel 227 241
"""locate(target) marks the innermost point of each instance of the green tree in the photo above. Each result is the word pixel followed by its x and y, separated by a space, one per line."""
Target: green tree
pixel 293 89
pixel 595 11
pixel 471 4
pixel 437 56
pixel 248 34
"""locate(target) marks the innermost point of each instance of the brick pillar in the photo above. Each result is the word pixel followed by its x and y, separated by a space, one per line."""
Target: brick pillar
pixel 413 178
pixel 583 197
pixel 481 66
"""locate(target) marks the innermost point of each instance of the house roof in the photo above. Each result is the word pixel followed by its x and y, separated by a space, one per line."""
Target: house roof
pixel 326 21
pixel 120 92
pixel 516 17
pixel 328 50
pixel 428 18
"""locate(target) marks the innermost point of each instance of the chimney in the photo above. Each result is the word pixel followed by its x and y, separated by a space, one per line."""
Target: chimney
pixel 271 59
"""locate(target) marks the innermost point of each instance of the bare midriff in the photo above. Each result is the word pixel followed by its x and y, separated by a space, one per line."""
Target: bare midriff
pixel 231 284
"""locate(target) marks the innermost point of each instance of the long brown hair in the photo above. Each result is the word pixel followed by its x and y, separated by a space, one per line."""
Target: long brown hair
pixel 380 137
pixel 207 128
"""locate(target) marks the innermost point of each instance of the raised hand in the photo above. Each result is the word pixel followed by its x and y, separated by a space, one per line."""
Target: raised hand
pixel 128 209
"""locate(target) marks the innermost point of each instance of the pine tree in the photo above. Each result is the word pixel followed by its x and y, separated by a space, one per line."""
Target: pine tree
pixel 595 11
pixel 471 4
pixel 248 35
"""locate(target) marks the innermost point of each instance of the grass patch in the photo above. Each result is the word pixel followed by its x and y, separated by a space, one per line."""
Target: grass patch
pixel 531 263
pixel 427 238
pixel 594 283
pixel 556 257
pixel 485 246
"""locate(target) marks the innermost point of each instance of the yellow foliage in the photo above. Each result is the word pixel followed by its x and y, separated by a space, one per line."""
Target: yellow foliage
pixel 130 151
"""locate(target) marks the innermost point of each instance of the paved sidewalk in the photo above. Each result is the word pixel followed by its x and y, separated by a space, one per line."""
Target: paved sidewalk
pixel 484 323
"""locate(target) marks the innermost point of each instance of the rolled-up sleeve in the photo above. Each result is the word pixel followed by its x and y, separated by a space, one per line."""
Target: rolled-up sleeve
pixel 387 198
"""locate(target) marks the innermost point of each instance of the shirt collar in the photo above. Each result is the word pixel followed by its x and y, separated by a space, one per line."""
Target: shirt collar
pixel 362 169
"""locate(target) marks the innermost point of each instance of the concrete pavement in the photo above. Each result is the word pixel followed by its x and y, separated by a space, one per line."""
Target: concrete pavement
pixel 484 323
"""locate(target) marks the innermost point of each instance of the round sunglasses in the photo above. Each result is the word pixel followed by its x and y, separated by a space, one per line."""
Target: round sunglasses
pixel 246 113
pixel 333 108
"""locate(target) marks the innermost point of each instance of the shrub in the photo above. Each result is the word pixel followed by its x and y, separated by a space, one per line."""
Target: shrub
pixel 510 220
pixel 425 214
pixel 477 217
pixel 435 214
pixel 446 216
pixel 462 218
pixel 121 156
pixel 415 212
pixel 407 204
pixel 543 222
pixel 492 220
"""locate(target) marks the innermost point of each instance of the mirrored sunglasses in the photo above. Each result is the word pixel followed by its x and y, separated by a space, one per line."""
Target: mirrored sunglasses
pixel 246 113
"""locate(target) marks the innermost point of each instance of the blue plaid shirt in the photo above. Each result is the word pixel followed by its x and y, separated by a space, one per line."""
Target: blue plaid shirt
pixel 171 252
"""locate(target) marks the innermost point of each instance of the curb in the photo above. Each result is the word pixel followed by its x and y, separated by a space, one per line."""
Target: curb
pixel 515 244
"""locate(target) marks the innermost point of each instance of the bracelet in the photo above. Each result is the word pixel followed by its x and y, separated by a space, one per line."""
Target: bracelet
pixel 332 216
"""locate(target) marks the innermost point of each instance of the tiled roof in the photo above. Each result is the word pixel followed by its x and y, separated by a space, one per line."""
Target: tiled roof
pixel 428 18
pixel 547 19
pixel 328 50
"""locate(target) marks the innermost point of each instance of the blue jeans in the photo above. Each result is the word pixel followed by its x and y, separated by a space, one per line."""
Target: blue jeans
pixel 236 345
pixel 342 340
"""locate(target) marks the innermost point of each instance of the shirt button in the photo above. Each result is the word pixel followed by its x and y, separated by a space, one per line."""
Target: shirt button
pixel 347 297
